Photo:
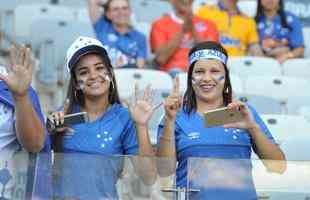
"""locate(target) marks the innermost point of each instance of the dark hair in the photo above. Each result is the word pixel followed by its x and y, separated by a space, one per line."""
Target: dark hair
pixel 76 96
pixel 189 99
pixel 281 13
pixel 106 7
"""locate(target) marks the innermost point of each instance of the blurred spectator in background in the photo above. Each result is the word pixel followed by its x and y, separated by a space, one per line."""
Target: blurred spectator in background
pixel 111 20
pixel 174 34
pixel 237 31
pixel 280 31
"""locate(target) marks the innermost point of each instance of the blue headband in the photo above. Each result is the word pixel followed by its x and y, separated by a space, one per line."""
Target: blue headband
pixel 207 54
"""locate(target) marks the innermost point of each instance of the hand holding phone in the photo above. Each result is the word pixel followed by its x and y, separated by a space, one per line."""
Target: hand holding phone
pixel 222 116
pixel 54 123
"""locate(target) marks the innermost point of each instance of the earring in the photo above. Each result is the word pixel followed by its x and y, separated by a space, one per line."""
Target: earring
pixel 112 84
pixel 75 95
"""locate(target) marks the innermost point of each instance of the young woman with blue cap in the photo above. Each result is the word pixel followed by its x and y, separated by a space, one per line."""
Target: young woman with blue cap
pixel 111 130
pixel 182 133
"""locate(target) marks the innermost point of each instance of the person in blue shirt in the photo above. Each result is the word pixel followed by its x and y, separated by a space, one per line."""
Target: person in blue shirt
pixel 112 130
pixel 182 134
pixel 280 31
pixel 22 125
pixel 126 46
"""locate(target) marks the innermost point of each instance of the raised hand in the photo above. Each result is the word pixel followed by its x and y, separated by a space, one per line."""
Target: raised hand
pixel 20 71
pixel 142 109
pixel 248 121
pixel 173 102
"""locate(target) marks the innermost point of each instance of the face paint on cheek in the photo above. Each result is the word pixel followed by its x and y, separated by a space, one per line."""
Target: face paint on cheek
pixel 220 78
pixel 105 77
pixel 196 79
pixel 81 84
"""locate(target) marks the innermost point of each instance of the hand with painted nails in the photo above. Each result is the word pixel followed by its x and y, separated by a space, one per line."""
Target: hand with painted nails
pixel 20 71
pixel 55 121
pixel 173 102
pixel 248 121
pixel 142 109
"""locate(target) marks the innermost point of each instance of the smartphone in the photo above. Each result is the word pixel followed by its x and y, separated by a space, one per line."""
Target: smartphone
pixel 221 116
pixel 75 118
pixel 70 119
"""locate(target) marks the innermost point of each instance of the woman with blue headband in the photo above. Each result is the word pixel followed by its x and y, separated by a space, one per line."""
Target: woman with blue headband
pixel 182 133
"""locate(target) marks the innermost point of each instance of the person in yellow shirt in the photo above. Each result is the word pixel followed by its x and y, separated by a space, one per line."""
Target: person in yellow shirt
pixel 237 31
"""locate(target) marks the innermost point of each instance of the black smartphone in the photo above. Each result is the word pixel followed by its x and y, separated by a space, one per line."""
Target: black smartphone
pixel 75 118
pixel 70 119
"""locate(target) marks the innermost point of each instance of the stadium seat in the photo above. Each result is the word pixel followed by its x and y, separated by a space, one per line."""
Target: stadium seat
pixel 50 27
pixel 159 98
pixel 82 15
pixel 7 23
pixel 262 104
pixel 248 7
pixel 306 32
pixel 126 78
pixel 305 111
pixel 47 66
pixel 236 84
pixel 8 5
pixel 281 88
pixel 183 82
pixel 299 68
pixel 149 10
pixel 293 184
pixel 26 14
pixel 67 34
pixel 253 66
pixel 288 128
pixel 295 104
pixel 73 3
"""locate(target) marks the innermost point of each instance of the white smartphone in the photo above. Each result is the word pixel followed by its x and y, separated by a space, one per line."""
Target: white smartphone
pixel 221 116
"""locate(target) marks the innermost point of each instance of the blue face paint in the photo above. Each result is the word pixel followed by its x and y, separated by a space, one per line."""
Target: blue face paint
pixel 219 79
pixel 81 85
pixel 196 80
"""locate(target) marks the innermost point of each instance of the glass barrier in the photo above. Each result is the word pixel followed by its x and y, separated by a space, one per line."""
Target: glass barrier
pixel 79 176
pixel 13 175
pixel 247 179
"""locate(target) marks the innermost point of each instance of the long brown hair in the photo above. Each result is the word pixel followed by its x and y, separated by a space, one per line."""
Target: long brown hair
pixel 76 96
